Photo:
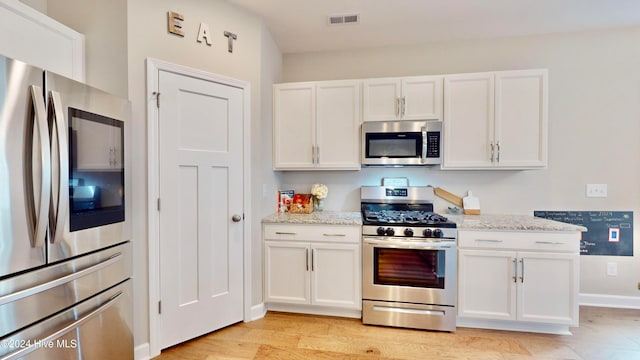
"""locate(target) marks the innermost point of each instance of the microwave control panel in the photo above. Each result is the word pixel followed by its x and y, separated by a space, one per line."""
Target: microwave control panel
pixel 433 144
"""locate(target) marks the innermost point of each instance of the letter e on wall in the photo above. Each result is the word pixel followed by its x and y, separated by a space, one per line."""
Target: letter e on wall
pixel 175 23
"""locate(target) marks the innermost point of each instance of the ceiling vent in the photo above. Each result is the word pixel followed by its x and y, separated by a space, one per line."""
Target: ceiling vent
pixel 344 19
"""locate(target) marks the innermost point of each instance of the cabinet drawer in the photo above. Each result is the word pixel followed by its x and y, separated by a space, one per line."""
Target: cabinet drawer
pixel 517 240
pixel 325 233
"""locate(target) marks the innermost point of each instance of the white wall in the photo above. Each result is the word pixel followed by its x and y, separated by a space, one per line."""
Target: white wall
pixel 104 25
pixel 120 36
pixel 148 37
pixel 594 129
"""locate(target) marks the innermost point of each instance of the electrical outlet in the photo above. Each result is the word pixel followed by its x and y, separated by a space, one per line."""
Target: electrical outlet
pixel 596 190
pixel 612 269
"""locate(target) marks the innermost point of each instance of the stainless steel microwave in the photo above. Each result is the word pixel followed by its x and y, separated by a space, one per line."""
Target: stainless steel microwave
pixel 402 143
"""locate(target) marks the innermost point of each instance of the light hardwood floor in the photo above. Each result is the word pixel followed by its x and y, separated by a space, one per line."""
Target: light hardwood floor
pixel 604 334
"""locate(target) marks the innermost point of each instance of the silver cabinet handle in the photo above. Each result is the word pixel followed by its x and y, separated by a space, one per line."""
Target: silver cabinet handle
pixel 498 157
pixel 550 242
pixel 515 270
pixel 312 262
pixel 342 235
pixel 492 151
pixel 313 154
pixel 404 106
pixel 236 218
pixel 64 330
pixel 285 233
pixel 521 270
pixel 489 240
pixel 397 107
pixel 60 205
pixel 37 212
pixel 306 256
pixel 317 154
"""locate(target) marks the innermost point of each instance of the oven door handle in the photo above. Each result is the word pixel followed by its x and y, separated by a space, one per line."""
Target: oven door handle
pixel 398 243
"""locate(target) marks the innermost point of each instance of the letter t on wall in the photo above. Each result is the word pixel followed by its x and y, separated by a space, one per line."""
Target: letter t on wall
pixel 231 36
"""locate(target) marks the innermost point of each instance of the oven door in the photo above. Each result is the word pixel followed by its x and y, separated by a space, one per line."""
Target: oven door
pixel 409 270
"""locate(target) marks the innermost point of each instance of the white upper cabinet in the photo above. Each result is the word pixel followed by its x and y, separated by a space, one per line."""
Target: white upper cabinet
pixel 317 125
pixel 521 118
pixel 496 120
pixel 34 38
pixel 468 121
pixel 410 98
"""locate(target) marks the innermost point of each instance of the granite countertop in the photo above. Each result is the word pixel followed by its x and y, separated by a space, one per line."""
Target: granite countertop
pixel 511 222
pixel 316 217
pixel 464 222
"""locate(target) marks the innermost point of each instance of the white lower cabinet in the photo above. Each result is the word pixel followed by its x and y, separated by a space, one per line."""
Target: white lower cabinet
pixel 518 280
pixel 313 269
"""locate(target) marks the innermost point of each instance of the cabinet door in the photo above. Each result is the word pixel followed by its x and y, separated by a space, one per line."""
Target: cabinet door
pixel 381 99
pixel 32 37
pixel 468 121
pixel 294 114
pixel 521 118
pixel 548 288
pixel 286 275
pixel 336 275
pixel 486 286
pixel 422 98
pixel 338 125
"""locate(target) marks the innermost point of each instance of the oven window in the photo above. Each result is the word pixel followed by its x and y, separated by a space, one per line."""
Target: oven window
pixel 393 145
pixel 96 170
pixel 409 267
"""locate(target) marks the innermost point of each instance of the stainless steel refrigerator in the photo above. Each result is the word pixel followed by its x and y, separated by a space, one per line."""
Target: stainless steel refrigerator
pixel 65 220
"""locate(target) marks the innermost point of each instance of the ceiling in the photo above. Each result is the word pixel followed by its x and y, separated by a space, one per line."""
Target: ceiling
pixel 302 25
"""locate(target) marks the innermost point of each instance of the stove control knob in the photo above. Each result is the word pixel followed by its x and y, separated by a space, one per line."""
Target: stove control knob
pixel 427 233
pixel 389 232
pixel 380 231
pixel 437 233
pixel 408 232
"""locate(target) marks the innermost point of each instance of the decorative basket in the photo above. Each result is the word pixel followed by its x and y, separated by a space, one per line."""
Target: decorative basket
pixel 301 204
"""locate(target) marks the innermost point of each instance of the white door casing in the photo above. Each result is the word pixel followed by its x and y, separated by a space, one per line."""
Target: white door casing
pixel 200 272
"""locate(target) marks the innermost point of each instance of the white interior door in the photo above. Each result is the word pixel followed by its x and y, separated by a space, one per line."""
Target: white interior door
pixel 201 191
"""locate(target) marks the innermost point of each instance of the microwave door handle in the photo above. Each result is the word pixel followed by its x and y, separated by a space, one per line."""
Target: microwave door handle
pixel 38 120
pixel 61 205
pixel 424 144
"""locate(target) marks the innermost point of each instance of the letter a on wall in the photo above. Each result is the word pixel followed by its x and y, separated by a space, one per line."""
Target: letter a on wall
pixel 203 34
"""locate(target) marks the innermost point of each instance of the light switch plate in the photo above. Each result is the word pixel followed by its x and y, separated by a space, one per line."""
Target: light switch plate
pixel 596 190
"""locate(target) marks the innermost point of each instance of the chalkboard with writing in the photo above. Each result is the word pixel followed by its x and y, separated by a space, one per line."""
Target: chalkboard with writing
pixel 609 232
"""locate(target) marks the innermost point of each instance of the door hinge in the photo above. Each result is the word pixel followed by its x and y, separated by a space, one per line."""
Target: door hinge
pixel 158 204
pixel 157 95
pixel 159 307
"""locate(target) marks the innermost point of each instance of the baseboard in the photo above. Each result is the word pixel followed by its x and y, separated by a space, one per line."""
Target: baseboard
pixel 258 312
pixel 612 301
pixel 141 352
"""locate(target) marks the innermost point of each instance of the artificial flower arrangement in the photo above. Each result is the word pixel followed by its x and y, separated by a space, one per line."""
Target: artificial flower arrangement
pixel 320 191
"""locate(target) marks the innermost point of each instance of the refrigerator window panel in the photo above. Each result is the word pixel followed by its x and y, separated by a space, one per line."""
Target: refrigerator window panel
pixel 96 171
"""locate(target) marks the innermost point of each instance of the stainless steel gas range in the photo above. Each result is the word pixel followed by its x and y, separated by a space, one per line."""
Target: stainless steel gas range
pixel 409 260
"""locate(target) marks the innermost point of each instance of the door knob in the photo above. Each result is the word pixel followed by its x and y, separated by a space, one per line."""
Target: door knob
pixel 236 218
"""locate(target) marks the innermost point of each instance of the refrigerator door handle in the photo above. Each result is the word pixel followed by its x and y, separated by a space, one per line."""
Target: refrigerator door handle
pixel 59 281
pixel 60 206
pixel 38 218
pixel 34 345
